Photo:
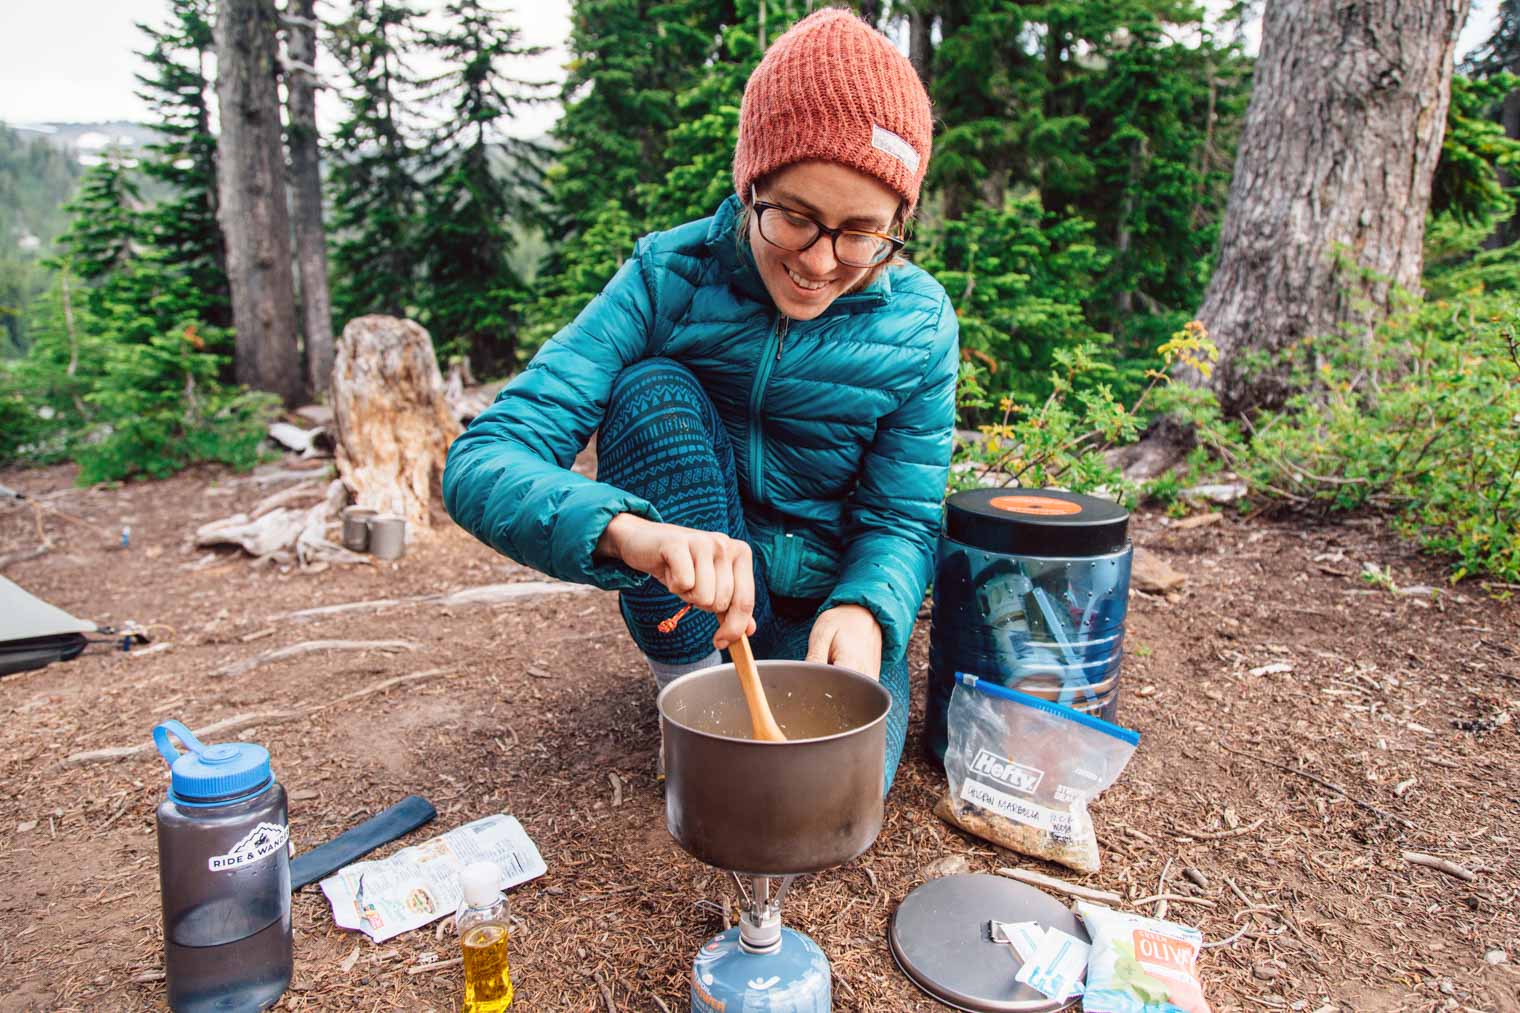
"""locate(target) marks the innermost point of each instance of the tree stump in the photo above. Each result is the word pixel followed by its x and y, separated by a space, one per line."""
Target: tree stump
pixel 394 424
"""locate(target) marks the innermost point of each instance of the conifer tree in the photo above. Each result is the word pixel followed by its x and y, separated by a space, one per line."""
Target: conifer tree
pixel 699 149
pixel 106 231
pixel 372 165
pixel 1501 52
pixel 1500 55
pixel 620 100
pixel 1099 111
pixel 480 180
pixel 178 88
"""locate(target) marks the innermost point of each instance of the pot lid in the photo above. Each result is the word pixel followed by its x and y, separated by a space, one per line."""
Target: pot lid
pixel 939 940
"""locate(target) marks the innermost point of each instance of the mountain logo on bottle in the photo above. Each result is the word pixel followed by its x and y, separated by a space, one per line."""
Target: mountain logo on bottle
pixel 258 844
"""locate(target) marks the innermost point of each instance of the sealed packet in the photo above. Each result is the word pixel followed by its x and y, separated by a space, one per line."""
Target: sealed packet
pixel 1140 965
pixel 1022 770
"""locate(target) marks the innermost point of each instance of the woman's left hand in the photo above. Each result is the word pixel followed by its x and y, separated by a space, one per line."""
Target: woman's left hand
pixel 847 636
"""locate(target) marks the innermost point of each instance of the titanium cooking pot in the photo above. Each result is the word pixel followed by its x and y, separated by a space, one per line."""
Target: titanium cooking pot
pixel 775 808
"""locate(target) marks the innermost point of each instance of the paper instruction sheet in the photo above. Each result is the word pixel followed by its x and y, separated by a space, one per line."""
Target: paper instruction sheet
pixel 420 884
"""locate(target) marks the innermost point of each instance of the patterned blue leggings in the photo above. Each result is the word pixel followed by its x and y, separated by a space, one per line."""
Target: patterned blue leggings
pixel 662 440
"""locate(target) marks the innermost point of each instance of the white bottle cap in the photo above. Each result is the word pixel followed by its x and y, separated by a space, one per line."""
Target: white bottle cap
pixel 480 882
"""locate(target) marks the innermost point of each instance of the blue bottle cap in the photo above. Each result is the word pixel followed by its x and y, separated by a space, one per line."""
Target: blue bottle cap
pixel 212 775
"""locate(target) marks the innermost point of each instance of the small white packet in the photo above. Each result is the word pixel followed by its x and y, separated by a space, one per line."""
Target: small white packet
pixel 1056 966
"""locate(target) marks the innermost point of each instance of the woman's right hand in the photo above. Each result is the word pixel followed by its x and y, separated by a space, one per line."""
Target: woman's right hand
pixel 703 568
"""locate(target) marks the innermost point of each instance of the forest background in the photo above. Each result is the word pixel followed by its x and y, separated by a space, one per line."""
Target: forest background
pixel 1074 208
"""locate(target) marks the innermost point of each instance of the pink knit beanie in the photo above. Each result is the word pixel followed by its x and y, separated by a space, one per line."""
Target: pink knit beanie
pixel 834 89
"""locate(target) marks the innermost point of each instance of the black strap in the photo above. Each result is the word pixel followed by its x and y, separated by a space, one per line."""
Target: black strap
pixel 326 859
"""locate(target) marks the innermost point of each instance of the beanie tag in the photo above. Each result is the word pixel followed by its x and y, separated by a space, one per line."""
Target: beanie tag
pixel 883 139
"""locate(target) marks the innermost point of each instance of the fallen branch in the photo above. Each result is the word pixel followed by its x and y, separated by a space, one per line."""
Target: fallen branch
pixel 1463 873
pixel 300 490
pixel 1136 834
pixel 311 647
pixel 1060 885
pixel 1220 835
pixel 240 721
pixel 488 594
pixel 1161 894
pixel 498 594
pixel 436 965
pixel 126 801
pixel 1196 877
pixel 1401 821
pixel 381 687
pixel 22 555
pixel 1228 939
pixel 332 610
pixel 1180 898
pixel 235 723
pixel 278 529
pixel 601 983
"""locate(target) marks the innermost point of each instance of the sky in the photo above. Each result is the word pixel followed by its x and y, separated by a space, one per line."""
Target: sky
pixel 74 60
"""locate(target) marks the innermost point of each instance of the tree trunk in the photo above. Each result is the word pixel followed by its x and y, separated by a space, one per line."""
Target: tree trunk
pixel 921 43
pixel 252 211
pixel 306 192
pixel 394 423
pixel 1332 180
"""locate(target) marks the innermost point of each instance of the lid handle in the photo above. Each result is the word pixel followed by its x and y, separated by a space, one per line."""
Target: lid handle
pixel 187 739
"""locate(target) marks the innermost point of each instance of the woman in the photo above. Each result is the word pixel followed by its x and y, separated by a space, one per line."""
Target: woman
pixel 772 392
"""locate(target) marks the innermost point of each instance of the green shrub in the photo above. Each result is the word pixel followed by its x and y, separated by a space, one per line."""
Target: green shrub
pixel 125 382
pixel 162 409
pixel 1422 423
pixel 1062 442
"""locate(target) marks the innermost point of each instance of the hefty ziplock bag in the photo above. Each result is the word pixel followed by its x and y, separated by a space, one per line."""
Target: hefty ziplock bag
pixel 1140 965
pixel 1022 771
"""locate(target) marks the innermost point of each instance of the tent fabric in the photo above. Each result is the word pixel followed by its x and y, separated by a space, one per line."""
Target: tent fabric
pixel 33 633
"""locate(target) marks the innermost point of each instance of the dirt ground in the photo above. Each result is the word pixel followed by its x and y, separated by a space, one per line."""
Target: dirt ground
pixel 1317 725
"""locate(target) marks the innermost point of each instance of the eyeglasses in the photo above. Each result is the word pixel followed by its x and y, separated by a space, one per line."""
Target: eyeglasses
pixel 794 231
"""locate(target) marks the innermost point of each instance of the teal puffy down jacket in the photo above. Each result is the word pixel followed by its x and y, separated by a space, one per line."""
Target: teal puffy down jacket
pixel 841 426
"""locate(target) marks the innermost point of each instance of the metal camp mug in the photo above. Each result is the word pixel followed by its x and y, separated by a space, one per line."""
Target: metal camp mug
pixel 356 528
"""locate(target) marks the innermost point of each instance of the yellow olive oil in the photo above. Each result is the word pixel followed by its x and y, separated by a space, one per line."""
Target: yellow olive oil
pixel 487 981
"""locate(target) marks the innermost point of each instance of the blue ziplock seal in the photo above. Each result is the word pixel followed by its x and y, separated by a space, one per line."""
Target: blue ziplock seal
pixel 992 689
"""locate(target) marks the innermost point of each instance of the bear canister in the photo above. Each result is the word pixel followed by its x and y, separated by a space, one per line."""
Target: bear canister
pixel 224 876
pixel 1031 587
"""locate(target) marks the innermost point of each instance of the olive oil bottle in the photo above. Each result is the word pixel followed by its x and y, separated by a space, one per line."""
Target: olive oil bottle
pixel 483 932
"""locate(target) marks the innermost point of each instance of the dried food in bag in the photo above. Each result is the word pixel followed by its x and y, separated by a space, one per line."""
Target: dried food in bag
pixel 1022 770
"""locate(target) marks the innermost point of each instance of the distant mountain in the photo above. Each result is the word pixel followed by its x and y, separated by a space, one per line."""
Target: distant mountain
pixel 87 141
pixel 36 178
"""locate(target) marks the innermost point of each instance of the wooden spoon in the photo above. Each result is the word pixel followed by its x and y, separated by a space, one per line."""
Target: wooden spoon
pixel 760 715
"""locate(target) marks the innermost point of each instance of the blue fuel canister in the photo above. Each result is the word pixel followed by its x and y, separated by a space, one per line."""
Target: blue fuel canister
pixel 1031 588
pixel 791 978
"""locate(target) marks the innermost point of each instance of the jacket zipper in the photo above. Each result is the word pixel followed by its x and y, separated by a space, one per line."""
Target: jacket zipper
pixel 757 399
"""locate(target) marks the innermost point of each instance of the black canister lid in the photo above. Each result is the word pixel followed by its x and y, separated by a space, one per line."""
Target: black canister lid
pixel 1036 522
